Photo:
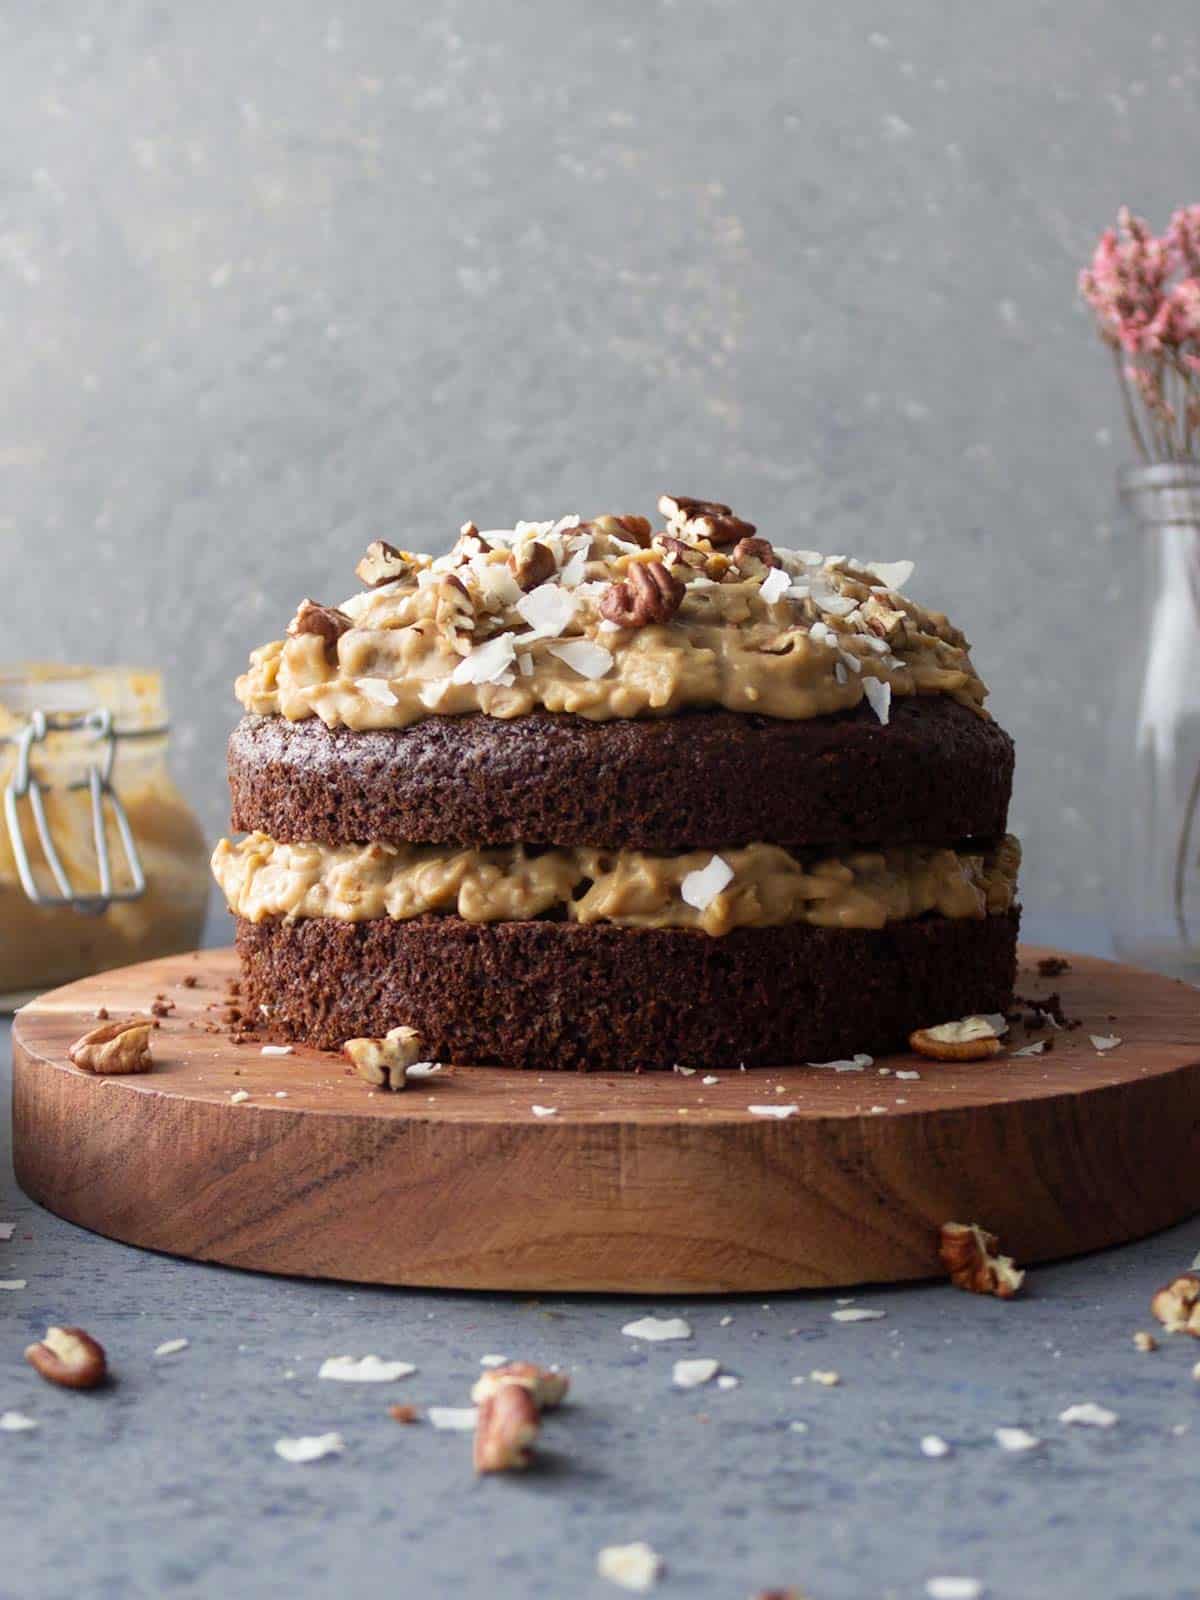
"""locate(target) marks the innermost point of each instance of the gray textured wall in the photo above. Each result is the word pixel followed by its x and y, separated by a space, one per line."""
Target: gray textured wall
pixel 277 278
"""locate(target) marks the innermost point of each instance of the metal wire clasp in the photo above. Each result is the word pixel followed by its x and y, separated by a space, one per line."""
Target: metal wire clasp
pixel 25 784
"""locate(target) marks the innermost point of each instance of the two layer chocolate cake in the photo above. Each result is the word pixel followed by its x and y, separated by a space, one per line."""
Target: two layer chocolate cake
pixel 591 795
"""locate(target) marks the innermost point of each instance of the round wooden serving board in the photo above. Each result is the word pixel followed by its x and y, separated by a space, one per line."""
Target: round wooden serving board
pixel 652 1183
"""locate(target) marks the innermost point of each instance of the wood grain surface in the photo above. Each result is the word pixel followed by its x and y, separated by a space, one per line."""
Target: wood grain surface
pixel 654 1183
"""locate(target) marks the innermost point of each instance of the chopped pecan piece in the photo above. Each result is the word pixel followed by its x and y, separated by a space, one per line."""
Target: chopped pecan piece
pixel 68 1357
pixel 385 1062
pixel 1177 1305
pixel 507 1426
pixel 327 622
pixel 648 593
pixel 533 563
pixel 634 530
pixel 969 1255
pixel 703 519
pixel 967 1039
pixel 548 1388
pixel 383 563
pixel 114 1047
pixel 748 551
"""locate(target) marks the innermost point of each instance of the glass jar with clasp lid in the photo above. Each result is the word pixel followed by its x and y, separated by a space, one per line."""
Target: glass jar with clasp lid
pixel 102 862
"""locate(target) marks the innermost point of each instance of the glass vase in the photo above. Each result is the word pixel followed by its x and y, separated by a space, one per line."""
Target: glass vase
pixel 1153 844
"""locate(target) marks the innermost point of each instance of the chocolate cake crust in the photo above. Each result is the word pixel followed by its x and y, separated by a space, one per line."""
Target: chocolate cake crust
pixel 936 773
pixel 549 995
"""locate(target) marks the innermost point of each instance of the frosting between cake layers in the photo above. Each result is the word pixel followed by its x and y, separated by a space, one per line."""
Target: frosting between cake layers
pixel 263 879
pixel 458 634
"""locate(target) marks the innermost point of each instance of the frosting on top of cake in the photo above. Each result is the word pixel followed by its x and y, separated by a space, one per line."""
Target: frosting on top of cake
pixel 609 618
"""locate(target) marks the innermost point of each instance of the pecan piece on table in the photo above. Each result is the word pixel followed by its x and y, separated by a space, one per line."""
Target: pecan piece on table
pixel 648 593
pixel 114 1047
pixel 1177 1305
pixel 385 1062
pixel 68 1357
pixel 970 1255
pixel 506 1429
pixel 547 1386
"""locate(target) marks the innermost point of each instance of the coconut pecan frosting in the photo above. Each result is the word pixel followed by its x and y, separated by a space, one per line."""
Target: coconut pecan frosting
pixel 610 618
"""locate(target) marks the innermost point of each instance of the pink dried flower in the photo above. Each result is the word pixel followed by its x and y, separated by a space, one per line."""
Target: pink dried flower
pixel 1183 240
pixel 1125 283
pixel 1177 321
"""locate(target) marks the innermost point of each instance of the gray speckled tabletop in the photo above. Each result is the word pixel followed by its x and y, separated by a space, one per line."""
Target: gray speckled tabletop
pixel 167 1482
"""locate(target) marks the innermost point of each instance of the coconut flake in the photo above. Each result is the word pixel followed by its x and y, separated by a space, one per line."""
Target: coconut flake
pixel 171 1347
pixel 774 586
pixel 728 1381
pixel 311 1447
pixel 934 1446
pixel 544 1111
pixel 1034 1049
pixel 834 605
pixel 635 1567
pixel 496 584
pixel 493 1361
pixel 954 1589
pixel 709 1081
pixel 6 1231
pixel 685 1072
pixel 364 1369
pixel 701 888
pixel 1088 1415
pixel 879 697
pixel 857 1314
pixel 582 656
pixel 893 574
pixel 657 1329
pixel 453 1419
pixel 377 690
pixel 239 1097
pixel 15 1422
pixel 548 609
pixel 1104 1041
pixel 856 1063
pixel 423 1069
pixel 276 1050
pixel 1015 1439
pixel 487 661
pixel 13 1283
pixel 691 1374
pixel 575 571
pixel 777 1111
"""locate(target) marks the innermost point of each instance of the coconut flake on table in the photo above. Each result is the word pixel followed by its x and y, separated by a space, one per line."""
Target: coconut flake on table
pixel 954 1589
pixel 857 1063
pixel 310 1447
pixel 635 1567
pixel 709 1081
pixel 774 586
pixel 364 1369
pixel 857 1314
pixel 582 656
pixel 276 1050
pixel 657 1329
pixel 1088 1415
pixel 493 1361
pixel 14 1283
pixel 423 1069
pixel 544 1111
pixel 171 1347
pixel 878 695
pixel 728 1381
pixel 692 1373
pixel 1104 1041
pixel 487 661
pixel 1015 1439
pixel 934 1446
pixel 892 574
pixel 701 888
pixel 777 1111
pixel 548 609
pixel 15 1422
pixel 377 690
pixel 6 1231
pixel 453 1419
pixel 1035 1049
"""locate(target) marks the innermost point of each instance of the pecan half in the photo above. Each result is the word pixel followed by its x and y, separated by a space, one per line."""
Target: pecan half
pixel 507 1426
pixel 969 1255
pixel 967 1039
pixel 703 519
pixel 114 1047
pixel 385 1062
pixel 327 622
pixel 532 564
pixel 747 551
pixel 548 1388
pixel 383 563
pixel 68 1357
pixel 648 593
pixel 634 530
pixel 1177 1305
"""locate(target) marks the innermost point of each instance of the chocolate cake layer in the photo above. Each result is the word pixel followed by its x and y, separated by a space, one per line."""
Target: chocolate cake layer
pixel 936 773
pixel 549 995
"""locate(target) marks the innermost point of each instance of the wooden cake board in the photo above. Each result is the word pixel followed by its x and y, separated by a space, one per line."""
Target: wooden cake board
pixel 654 1183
